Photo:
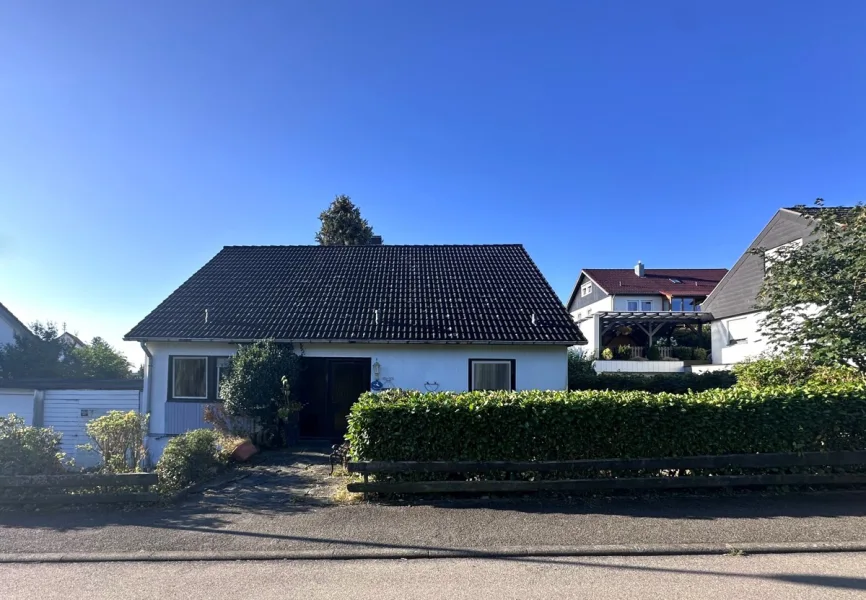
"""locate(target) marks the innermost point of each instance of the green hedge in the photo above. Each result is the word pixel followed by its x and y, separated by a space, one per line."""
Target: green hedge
pixel 675 383
pixel 536 425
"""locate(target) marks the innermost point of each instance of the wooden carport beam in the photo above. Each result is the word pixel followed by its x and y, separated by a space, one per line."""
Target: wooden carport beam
pixel 651 331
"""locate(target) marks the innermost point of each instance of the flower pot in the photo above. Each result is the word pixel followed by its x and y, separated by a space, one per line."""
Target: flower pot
pixel 244 451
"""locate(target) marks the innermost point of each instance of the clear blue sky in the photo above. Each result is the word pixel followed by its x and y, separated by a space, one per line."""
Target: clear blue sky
pixel 138 138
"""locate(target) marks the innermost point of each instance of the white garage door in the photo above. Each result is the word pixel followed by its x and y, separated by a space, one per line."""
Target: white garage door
pixel 19 402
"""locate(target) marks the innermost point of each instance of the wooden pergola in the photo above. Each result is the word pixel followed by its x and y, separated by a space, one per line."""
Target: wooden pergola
pixel 648 322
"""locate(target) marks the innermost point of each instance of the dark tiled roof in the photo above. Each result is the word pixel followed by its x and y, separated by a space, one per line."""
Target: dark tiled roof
pixel 699 282
pixel 837 212
pixel 421 293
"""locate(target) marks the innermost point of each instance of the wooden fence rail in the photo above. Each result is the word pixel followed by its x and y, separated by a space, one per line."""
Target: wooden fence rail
pixel 9 483
pixel 749 461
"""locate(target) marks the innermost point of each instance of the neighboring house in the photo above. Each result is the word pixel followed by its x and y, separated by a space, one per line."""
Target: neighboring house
pixel 72 341
pixel 736 325
pixel 647 301
pixel 9 326
pixel 418 317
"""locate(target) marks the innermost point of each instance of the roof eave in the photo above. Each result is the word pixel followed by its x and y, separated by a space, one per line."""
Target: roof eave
pixel 579 342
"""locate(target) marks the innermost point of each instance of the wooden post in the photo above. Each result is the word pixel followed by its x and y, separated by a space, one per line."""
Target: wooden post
pixel 366 481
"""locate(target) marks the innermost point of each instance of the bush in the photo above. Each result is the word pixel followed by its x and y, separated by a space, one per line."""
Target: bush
pixel 654 353
pixel 190 458
pixel 119 438
pixel 27 450
pixel 260 382
pixel 607 354
pixel 792 369
pixel 579 363
pixel 700 354
pixel 537 425
pixel 675 383
pixel 683 352
pixel 623 352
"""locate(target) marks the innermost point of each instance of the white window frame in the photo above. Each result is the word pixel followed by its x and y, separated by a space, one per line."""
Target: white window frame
pixel 586 289
pixel 174 379
pixel 731 339
pixel 628 304
pixel 511 365
pixel 643 302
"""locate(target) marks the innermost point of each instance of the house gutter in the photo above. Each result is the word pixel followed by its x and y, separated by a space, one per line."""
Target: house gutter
pixel 147 377
pixel 347 341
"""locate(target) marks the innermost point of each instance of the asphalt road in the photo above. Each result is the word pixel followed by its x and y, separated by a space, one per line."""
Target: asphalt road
pixel 780 576
pixel 750 518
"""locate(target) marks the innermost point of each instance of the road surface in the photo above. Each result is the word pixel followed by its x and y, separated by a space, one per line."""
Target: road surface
pixel 782 576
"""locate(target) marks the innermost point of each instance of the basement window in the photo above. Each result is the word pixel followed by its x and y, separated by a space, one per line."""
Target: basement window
pixel 491 374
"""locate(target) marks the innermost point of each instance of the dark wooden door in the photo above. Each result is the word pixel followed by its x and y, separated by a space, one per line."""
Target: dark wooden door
pixel 348 379
pixel 329 387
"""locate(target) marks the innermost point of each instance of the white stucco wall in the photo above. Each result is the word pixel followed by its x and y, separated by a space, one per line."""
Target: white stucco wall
pixel 410 365
pixel 588 325
pixel 639 366
pixel 725 353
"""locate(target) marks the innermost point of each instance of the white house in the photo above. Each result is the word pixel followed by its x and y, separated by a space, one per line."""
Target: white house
pixel 430 318
pixel 649 302
pixel 9 326
pixel 736 325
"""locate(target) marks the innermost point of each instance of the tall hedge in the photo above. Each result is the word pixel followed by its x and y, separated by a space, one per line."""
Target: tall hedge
pixel 674 383
pixel 537 425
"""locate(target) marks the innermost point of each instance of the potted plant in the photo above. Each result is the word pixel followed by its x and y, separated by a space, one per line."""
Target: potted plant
pixel 607 354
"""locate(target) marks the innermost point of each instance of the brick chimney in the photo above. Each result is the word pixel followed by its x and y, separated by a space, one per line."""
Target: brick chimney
pixel 638 269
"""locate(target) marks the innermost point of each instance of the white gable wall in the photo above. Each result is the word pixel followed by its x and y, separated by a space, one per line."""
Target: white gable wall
pixel 748 326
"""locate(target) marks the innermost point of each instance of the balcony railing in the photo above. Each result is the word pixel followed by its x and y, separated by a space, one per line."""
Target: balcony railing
pixel 664 353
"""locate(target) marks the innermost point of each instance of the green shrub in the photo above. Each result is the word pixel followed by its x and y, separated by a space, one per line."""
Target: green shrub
pixel 27 450
pixel 683 352
pixel 537 425
pixel 579 363
pixel 700 354
pixel 607 354
pixel 623 352
pixel 119 438
pixel 675 383
pixel 792 369
pixel 654 353
pixel 190 458
pixel 260 384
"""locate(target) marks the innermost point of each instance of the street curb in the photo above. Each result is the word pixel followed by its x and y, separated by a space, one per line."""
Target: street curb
pixel 415 553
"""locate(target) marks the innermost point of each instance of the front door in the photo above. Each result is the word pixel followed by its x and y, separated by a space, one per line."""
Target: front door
pixel 329 387
pixel 348 378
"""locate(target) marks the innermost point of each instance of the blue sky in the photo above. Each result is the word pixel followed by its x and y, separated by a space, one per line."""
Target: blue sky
pixel 136 139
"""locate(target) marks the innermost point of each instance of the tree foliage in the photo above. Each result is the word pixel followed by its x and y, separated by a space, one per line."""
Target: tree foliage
pixel 342 225
pixel 259 383
pixel 815 293
pixel 46 355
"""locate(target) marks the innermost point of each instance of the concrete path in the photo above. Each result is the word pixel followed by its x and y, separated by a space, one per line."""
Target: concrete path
pixel 203 525
pixel 770 577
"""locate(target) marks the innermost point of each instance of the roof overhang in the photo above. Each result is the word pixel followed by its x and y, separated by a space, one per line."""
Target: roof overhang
pixel 580 342
pixel 622 318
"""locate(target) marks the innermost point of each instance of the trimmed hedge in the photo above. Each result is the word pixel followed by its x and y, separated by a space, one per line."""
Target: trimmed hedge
pixel 190 458
pixel 537 425
pixel 675 383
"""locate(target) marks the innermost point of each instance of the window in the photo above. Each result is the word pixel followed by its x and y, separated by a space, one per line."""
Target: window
pixel 646 305
pixel 221 365
pixel 684 305
pixel 631 305
pixel 190 377
pixel 585 289
pixel 738 331
pixel 779 253
pixel 491 374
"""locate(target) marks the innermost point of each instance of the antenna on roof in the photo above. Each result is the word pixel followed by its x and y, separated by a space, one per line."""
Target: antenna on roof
pixel 205 315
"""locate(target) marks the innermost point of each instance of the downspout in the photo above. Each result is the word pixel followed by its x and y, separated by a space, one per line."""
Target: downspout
pixel 148 372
